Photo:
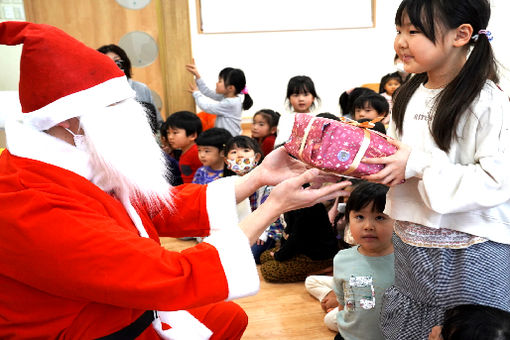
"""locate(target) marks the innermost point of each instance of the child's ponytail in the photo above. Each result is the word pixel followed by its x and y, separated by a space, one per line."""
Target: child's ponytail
pixel 248 102
pixel 460 93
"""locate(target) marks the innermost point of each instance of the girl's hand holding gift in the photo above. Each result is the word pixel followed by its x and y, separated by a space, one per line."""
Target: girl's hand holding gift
pixel 394 169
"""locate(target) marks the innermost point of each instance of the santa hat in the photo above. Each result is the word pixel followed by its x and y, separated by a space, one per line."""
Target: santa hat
pixel 60 77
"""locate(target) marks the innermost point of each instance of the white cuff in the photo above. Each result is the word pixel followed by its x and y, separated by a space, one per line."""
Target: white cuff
pixel 231 243
pixel 221 204
pixel 183 326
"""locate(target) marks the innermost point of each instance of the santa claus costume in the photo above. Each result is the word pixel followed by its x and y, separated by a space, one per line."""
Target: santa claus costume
pixel 79 260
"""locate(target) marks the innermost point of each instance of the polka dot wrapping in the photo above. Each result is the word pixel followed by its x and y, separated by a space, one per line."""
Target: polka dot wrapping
pixel 332 145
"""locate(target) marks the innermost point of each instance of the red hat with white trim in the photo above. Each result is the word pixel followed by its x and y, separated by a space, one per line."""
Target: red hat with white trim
pixel 60 77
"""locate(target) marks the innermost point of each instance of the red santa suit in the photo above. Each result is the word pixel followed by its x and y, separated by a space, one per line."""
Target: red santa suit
pixel 74 264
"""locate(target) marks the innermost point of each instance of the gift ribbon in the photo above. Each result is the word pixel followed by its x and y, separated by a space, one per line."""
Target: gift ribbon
pixel 364 125
pixel 362 149
pixel 305 137
pixel 361 152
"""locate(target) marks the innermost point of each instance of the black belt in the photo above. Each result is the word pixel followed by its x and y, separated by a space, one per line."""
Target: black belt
pixel 133 330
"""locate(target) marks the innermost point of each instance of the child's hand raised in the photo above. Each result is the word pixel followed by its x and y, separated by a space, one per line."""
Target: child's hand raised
pixel 192 88
pixel 395 165
pixel 192 68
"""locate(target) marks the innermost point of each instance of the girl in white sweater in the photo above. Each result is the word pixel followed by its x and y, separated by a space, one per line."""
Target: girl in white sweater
pixel 450 189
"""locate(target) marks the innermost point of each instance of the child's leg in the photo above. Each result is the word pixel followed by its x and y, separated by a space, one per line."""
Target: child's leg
pixel 257 250
pixel 330 320
pixel 319 285
pixel 430 280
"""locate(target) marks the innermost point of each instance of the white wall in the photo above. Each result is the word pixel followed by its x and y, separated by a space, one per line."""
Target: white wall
pixel 335 60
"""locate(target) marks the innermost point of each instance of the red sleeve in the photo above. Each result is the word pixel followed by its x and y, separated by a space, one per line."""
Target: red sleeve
pixel 189 163
pixel 68 246
pixel 188 214
pixel 268 144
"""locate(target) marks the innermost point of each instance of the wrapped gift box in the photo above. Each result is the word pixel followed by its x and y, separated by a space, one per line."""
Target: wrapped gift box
pixel 336 146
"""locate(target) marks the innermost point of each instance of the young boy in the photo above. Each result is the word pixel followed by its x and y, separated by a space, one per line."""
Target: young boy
pixel 211 146
pixel 370 106
pixel 171 157
pixel 362 273
pixel 183 129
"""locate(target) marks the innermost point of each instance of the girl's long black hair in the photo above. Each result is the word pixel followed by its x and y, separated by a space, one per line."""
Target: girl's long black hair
pixel 455 99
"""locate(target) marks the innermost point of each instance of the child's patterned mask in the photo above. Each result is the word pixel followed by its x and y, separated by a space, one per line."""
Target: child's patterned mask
pixel 241 166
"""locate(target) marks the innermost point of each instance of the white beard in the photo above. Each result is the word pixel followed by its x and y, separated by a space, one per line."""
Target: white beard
pixel 124 156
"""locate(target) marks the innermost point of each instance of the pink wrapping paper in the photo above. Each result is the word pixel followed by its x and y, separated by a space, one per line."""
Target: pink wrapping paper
pixel 335 146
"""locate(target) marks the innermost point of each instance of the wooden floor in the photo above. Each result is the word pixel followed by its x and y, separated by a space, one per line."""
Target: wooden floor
pixel 279 311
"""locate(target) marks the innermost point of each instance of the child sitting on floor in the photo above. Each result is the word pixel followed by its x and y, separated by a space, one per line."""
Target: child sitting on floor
pixel 242 154
pixel 370 106
pixel 183 129
pixel 263 129
pixel 362 273
pixel 211 145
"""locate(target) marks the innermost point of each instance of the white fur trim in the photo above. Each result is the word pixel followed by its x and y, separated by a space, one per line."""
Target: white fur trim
pixel 79 103
pixel 229 240
pixel 221 204
pixel 184 326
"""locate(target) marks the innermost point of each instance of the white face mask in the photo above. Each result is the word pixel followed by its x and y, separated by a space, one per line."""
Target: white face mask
pixel 241 166
pixel 80 141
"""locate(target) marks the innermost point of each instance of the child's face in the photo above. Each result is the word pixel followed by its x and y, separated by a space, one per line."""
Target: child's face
pixel 365 112
pixel 301 102
pixel 238 153
pixel 220 86
pixel 391 86
pixel 260 127
pixel 165 145
pixel 372 230
pixel 210 156
pixel 178 140
pixel 420 54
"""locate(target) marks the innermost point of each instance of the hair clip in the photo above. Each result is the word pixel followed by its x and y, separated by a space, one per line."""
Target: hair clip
pixel 486 32
pixel 245 90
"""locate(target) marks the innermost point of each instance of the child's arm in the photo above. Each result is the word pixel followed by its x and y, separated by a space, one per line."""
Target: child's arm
pixel 224 107
pixel 206 91
pixel 192 68
pixel 450 187
pixel 339 292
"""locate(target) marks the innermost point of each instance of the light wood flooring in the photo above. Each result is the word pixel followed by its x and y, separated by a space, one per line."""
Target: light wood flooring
pixel 279 311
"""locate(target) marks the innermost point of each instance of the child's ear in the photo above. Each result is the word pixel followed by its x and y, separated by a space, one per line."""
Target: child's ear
pixel 463 35
pixel 193 136
pixel 231 88
pixel 258 156
pixel 273 130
